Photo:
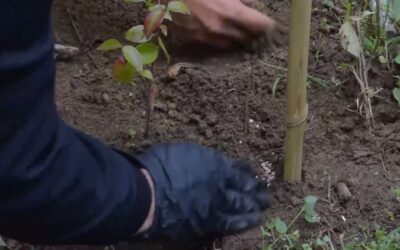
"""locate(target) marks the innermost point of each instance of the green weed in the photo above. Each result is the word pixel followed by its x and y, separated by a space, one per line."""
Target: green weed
pixel 381 240
pixel 279 233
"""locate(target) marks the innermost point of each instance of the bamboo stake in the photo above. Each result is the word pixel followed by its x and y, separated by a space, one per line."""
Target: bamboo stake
pixel 297 110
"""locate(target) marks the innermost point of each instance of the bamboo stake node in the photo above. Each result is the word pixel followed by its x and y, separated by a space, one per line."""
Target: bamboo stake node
pixel 296 121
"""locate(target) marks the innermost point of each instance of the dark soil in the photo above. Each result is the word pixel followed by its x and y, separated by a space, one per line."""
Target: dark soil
pixel 206 104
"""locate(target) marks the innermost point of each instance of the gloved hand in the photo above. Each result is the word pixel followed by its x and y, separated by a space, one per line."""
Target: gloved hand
pixel 201 193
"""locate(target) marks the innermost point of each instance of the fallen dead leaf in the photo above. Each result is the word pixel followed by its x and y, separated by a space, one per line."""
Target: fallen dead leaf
pixel 178 68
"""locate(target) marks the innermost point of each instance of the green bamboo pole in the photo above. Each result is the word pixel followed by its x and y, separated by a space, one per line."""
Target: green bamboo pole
pixel 297 110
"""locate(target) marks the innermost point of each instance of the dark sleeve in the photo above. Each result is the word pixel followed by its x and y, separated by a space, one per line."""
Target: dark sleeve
pixel 57 185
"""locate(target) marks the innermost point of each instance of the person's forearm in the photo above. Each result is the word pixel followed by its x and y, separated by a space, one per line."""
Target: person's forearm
pixel 57 185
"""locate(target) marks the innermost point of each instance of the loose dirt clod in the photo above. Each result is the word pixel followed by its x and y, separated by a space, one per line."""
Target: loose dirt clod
pixel 343 192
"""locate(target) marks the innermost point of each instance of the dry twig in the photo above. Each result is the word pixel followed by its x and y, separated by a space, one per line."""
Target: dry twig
pixel 247 101
pixel 364 105
pixel 74 26
pixel 386 173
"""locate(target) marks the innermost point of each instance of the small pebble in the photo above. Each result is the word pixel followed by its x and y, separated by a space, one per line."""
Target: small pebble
pixel 343 192
pixel 348 124
pixel 212 119
pixel 106 98
pixel 295 201
pixel 74 84
pixel 171 105
pixel 209 133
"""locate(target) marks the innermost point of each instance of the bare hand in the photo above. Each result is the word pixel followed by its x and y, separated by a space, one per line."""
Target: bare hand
pixel 223 23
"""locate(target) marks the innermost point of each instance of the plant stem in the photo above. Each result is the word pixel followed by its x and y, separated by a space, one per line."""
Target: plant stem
pixel 276 241
pixel 310 77
pixel 378 23
pixel 151 97
pixel 288 227
pixel 295 218
pixel 250 85
pixel 148 110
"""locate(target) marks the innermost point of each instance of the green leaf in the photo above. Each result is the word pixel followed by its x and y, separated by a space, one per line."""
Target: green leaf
pixel 396 10
pixel 344 66
pixel 179 7
pixel 136 34
pixel 147 74
pixel 396 94
pixel 110 44
pixel 280 226
pixel 131 133
pixel 327 239
pixel 270 225
pixel 133 57
pixel 157 6
pixel 149 52
pixel 295 235
pixel 134 1
pixel 311 218
pixel 309 208
pixel 393 41
pixel 264 232
pixel 396 191
pixel 164 49
pixel 368 44
pixel 153 21
pixel 126 74
pixel 397 59
pixel 328 3
pixel 123 72
pixel 309 203
pixel 289 240
pixel 321 243
pixel 350 246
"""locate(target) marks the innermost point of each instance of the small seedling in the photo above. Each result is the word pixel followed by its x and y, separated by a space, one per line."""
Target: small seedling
pixel 279 231
pixel 396 191
pixel 144 42
pixel 131 133
pixel 381 240
pixel 366 37
pixel 324 243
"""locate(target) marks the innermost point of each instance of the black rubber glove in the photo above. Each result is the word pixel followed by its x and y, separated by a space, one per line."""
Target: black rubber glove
pixel 201 193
